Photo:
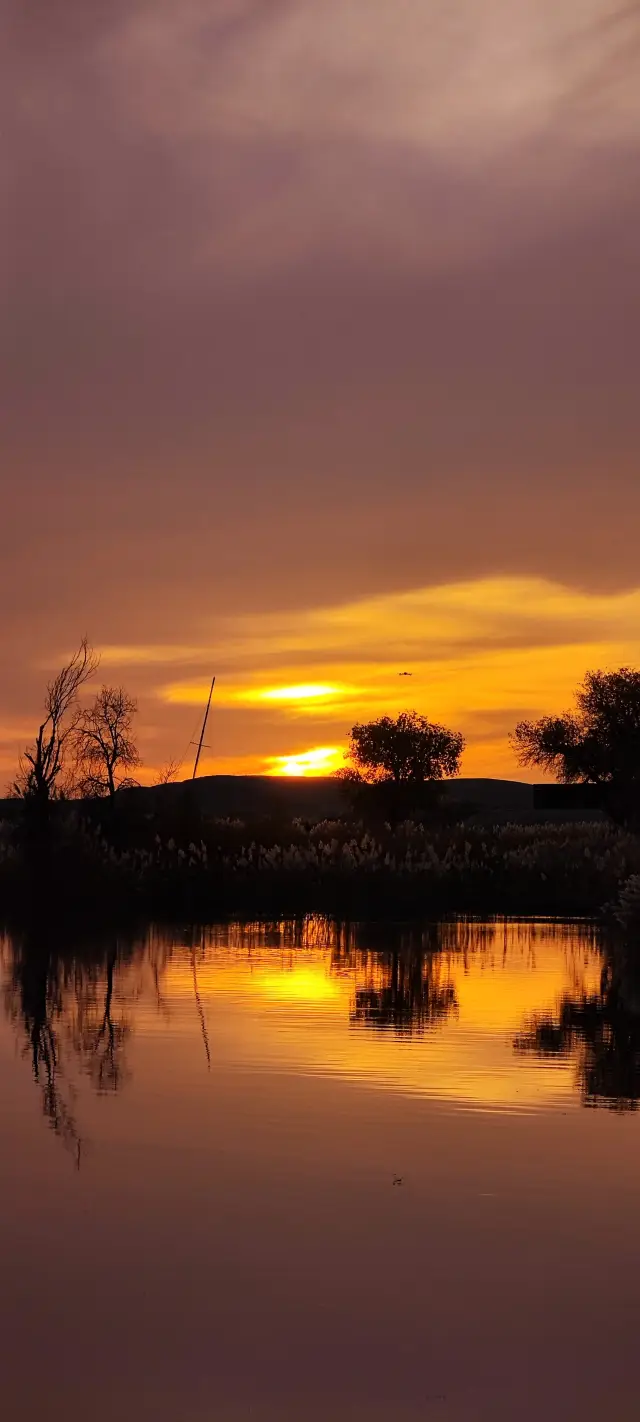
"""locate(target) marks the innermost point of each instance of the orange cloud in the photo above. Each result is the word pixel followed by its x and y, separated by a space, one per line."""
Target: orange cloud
pixel 480 655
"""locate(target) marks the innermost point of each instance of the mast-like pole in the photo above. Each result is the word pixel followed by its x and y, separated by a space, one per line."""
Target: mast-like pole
pixel 204 727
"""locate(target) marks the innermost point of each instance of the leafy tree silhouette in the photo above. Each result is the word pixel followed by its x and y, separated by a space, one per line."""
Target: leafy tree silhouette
pixel 602 1030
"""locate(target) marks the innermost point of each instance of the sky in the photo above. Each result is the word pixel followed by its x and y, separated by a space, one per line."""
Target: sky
pixel 319 351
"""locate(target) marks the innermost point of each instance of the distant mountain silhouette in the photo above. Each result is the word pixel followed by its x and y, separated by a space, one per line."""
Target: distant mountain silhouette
pixel 322 797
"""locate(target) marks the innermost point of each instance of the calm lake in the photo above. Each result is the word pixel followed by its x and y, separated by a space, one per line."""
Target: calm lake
pixel 300 1172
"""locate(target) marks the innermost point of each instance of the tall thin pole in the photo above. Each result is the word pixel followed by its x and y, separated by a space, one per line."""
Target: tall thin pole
pixel 204 727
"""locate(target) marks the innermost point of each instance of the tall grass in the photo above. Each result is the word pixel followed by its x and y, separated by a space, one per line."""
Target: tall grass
pixel 334 867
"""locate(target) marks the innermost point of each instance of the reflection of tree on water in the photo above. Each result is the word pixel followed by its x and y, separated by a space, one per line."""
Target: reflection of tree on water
pixel 407 986
pixel 70 1002
pixel 34 998
pixel 603 1030
pixel 407 994
pixel 73 1003
pixel 62 1000
pixel 98 1037
pixel 410 997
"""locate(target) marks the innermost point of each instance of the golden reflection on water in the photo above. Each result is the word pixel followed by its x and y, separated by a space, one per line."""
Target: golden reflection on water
pixel 241 1103
pixel 512 1017
pixel 437 1023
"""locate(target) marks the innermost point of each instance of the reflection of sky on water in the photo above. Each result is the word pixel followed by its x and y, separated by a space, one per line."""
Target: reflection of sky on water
pixel 382 1010
pixel 238 1104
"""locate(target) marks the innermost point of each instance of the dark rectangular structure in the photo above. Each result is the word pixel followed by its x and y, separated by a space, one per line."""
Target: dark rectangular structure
pixel 568 797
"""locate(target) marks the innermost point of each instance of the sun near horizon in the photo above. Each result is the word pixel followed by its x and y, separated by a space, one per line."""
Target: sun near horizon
pixel 475 656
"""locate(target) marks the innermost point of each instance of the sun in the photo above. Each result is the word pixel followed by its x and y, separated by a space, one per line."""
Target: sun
pixel 321 760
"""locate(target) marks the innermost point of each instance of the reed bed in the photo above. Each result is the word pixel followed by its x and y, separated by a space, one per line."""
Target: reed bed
pixel 338 868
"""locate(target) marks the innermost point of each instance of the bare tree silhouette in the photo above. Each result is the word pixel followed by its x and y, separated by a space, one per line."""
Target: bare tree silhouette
pixel 168 773
pixel 48 761
pixel 106 749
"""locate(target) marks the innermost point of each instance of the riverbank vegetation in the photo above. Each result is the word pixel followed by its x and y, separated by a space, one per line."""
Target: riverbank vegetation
pixel 335 867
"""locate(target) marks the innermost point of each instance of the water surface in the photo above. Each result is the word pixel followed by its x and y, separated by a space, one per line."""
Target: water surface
pixel 308 1172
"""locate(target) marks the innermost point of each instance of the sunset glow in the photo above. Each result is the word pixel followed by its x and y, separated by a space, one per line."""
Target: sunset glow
pixel 323 760
pixel 475 655
pixel 320 345
pixel 309 691
pixel 347 420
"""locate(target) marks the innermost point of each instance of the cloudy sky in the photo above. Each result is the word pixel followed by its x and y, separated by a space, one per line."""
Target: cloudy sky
pixel 320 348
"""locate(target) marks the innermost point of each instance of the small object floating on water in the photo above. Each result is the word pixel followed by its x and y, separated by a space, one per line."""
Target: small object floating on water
pixel 398 1179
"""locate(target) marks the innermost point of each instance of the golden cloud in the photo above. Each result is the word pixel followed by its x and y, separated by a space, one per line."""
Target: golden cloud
pixel 476 655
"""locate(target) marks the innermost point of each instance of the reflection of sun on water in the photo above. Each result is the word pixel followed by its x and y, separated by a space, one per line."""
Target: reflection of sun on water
pixel 303 984
pixel 308 1011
